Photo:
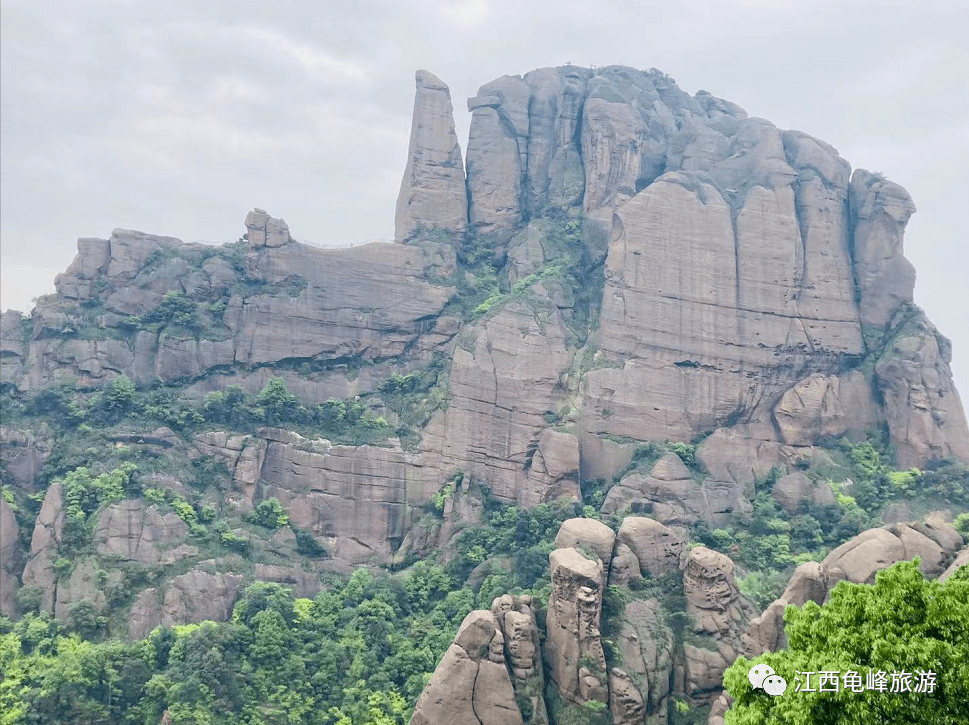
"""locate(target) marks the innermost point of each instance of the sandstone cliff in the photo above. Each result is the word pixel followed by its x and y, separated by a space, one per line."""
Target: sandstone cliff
pixel 620 263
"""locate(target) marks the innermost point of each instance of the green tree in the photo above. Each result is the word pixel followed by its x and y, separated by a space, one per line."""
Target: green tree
pixel 269 514
pixel 278 405
pixel 902 623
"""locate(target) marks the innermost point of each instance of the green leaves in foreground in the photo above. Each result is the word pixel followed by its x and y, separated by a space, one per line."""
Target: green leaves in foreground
pixel 901 623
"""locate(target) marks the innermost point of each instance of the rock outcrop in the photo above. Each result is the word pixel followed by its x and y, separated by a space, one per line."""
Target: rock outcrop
pixel 886 279
pixel 672 496
pixel 921 405
pixel 574 645
pixel 719 617
pixel 44 546
pixel 11 559
pixel 933 541
pixel 432 193
pixel 620 262
pixel 472 682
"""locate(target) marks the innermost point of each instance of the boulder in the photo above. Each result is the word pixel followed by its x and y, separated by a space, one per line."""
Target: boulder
pixel 658 548
pixel 263 230
pixel 589 533
pixel 765 633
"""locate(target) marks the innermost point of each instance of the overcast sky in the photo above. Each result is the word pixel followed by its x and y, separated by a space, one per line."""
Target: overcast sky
pixel 176 118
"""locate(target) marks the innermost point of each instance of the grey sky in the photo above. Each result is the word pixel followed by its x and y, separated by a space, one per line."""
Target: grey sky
pixel 176 118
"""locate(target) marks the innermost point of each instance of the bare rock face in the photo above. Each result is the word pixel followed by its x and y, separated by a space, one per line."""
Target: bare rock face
pixel 859 559
pixel 11 559
pixel 658 548
pixel 200 595
pixel 297 301
pixel 471 684
pixel 886 279
pixel 595 535
pixel 300 582
pixel 505 377
pixel 13 348
pixel 719 617
pixel 574 646
pixel 145 614
pixel 44 546
pixel 826 406
pixel 673 497
pixel 353 499
pixel 263 230
pixel 432 193
pixel 924 413
pixel 795 489
pixel 666 312
pixel 625 700
pixel 647 648
pixel 24 455
pixel 766 632
pixel 129 531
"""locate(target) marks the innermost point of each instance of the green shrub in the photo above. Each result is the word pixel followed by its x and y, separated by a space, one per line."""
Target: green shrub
pixel 269 514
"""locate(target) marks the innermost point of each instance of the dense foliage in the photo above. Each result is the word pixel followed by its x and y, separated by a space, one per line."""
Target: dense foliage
pixel 357 655
pixel 902 623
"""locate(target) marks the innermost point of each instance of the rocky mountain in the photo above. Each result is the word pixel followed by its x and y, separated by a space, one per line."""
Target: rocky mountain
pixel 625 296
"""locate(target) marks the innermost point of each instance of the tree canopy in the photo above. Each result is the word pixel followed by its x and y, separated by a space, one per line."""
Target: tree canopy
pixel 902 624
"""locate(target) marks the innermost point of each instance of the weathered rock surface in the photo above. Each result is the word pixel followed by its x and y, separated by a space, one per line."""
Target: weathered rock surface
pixel 504 379
pixel 924 413
pixel 595 535
pixel 471 684
pixel 658 548
pixel 11 559
pixel 199 595
pixel 128 531
pixel 822 406
pixel 795 490
pixel 647 648
pixel 766 632
pixel 574 646
pixel 668 317
pixel 859 559
pixel 672 496
pixel 24 454
pixel 432 193
pixel 960 561
pixel 719 616
pixel 283 300
pixel 886 279
pixel 44 545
